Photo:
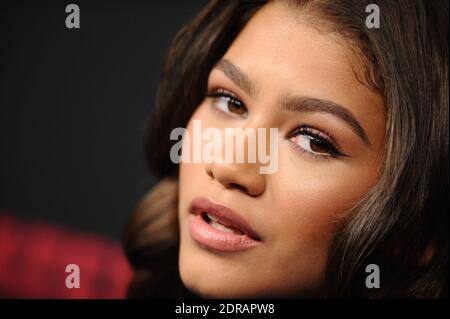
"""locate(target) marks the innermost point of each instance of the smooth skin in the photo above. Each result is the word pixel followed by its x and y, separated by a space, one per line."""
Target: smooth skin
pixel 297 209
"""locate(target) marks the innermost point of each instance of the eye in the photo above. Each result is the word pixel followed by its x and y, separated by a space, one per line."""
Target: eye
pixel 314 142
pixel 227 102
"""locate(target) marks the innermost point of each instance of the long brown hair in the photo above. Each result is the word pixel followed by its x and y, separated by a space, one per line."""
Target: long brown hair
pixel 402 223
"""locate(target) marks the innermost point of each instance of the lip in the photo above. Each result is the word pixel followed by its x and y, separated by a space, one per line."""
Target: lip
pixel 214 238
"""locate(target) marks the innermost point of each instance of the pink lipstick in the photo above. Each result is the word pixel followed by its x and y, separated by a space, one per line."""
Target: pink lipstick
pixel 219 227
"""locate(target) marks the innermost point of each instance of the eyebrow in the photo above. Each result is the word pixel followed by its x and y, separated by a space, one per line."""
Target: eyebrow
pixel 295 103
pixel 237 76
pixel 311 104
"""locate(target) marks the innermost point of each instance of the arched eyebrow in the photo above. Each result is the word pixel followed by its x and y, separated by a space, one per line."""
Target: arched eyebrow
pixel 295 103
pixel 312 104
pixel 236 75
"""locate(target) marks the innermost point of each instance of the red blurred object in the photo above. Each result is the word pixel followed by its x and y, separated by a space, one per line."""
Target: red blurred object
pixel 34 256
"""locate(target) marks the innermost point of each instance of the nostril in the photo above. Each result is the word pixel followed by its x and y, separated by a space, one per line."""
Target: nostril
pixel 238 186
pixel 210 173
pixel 231 177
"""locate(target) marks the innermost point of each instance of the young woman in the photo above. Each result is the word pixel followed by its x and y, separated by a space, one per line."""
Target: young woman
pixel 361 187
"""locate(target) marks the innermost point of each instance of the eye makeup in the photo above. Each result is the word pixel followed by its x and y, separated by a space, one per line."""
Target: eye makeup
pixel 304 139
pixel 227 102
pixel 314 142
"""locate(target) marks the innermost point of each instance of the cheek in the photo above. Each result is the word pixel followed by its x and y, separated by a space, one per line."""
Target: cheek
pixel 192 176
pixel 310 198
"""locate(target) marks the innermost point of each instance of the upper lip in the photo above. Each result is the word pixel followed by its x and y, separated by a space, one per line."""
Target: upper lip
pixel 201 205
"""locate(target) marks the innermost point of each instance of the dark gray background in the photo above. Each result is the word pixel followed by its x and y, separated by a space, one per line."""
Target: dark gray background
pixel 73 106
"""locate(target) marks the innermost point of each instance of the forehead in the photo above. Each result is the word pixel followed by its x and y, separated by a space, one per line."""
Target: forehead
pixel 283 55
pixel 277 42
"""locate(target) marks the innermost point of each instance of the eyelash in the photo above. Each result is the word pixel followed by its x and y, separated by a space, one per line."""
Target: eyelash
pixel 229 97
pixel 323 139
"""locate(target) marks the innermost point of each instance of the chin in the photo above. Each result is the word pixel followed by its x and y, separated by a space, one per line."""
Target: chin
pixel 207 281
pixel 218 291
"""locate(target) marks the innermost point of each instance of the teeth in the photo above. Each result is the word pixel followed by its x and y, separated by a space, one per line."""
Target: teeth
pixel 214 222
pixel 222 227
pixel 213 218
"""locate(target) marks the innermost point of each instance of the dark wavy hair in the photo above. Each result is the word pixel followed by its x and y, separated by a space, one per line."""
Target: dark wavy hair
pixel 402 223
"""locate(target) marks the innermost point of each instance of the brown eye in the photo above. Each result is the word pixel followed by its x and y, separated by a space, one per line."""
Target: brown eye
pixel 237 108
pixel 316 146
pixel 227 103
pixel 310 141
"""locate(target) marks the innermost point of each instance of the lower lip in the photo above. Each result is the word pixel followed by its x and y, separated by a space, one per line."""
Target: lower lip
pixel 216 239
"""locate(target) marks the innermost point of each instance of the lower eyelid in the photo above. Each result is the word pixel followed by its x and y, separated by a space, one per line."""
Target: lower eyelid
pixel 317 157
pixel 226 114
pixel 323 134
pixel 221 113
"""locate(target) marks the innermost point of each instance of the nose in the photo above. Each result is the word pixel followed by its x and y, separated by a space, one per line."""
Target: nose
pixel 242 177
pixel 245 174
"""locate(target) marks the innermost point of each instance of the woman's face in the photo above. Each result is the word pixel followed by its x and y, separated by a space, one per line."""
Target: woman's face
pixel 281 74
